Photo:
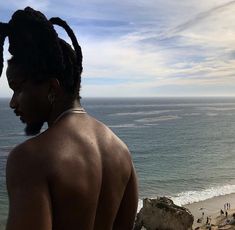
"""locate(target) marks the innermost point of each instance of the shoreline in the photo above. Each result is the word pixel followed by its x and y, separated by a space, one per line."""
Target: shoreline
pixel 211 208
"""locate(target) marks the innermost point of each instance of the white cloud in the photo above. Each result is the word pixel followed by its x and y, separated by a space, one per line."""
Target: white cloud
pixel 15 4
pixel 161 44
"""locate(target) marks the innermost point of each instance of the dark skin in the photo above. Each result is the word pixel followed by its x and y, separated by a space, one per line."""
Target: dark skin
pixel 75 175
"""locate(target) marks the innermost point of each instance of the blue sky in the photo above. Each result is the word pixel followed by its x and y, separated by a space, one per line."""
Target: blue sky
pixel 146 47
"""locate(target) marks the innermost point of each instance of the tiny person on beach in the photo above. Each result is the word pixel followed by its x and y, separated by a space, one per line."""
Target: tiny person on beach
pixel 77 174
pixel 221 212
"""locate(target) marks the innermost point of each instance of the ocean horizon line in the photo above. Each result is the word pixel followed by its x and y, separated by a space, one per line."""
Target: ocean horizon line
pixel 146 97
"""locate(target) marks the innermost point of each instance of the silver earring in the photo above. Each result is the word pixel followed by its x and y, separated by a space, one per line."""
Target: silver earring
pixel 51 98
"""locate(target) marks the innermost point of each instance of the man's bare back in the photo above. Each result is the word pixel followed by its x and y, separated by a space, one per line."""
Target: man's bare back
pixel 71 177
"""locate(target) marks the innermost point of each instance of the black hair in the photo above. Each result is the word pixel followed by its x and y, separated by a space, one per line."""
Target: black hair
pixel 35 45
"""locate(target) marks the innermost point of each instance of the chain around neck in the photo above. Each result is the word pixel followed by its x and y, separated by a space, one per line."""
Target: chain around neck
pixel 73 110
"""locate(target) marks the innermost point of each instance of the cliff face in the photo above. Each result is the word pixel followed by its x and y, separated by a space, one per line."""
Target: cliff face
pixel 163 214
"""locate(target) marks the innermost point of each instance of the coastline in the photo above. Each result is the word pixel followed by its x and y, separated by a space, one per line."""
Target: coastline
pixel 211 208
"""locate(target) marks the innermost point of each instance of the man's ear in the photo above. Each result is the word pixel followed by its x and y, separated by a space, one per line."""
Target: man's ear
pixel 54 87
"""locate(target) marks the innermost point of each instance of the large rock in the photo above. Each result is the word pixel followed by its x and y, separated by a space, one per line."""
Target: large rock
pixel 163 214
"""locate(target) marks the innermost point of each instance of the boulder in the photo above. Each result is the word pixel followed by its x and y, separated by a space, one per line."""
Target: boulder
pixel 163 214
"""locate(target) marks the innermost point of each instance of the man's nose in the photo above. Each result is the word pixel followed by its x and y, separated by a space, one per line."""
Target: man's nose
pixel 13 102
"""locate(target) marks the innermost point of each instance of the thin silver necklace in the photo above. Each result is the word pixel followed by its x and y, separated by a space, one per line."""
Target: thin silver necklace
pixel 73 110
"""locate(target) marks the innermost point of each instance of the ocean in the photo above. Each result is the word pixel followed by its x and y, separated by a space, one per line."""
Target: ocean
pixel 183 148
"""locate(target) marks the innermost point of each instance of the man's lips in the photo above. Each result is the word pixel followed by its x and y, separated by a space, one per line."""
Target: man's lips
pixel 19 114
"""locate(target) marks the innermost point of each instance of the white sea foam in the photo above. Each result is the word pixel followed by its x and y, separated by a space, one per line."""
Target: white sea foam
pixel 217 108
pixel 12 134
pixel 152 124
pixel 190 197
pixel 196 196
pixel 191 114
pixel 140 205
pixel 154 112
pixel 123 126
pixel 157 119
pixel 212 114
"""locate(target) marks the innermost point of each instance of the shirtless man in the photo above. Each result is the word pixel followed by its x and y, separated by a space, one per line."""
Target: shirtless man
pixel 77 174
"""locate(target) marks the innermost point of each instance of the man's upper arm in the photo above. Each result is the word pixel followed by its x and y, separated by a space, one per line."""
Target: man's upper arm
pixel 29 198
pixel 127 210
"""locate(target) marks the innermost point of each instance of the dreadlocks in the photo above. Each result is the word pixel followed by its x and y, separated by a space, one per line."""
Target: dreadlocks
pixel 35 45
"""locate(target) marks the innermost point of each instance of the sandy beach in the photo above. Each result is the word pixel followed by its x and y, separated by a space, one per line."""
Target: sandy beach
pixel 211 208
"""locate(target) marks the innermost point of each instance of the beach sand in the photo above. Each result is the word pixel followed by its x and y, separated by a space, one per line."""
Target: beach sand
pixel 211 209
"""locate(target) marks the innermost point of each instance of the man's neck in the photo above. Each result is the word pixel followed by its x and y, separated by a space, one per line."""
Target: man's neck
pixel 58 108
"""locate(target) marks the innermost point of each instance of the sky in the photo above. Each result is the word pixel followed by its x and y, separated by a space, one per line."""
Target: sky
pixel 146 48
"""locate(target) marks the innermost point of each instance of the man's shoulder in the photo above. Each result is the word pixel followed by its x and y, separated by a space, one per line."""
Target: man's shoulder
pixel 24 163
pixel 21 150
pixel 28 153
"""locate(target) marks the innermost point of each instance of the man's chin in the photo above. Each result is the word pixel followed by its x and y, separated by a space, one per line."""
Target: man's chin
pixel 33 128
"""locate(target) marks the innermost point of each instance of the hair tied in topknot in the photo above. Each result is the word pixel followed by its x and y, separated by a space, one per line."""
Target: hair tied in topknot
pixel 34 43
pixel 63 24
pixel 4 31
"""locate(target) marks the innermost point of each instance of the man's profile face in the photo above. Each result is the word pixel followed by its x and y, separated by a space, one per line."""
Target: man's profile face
pixel 29 99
